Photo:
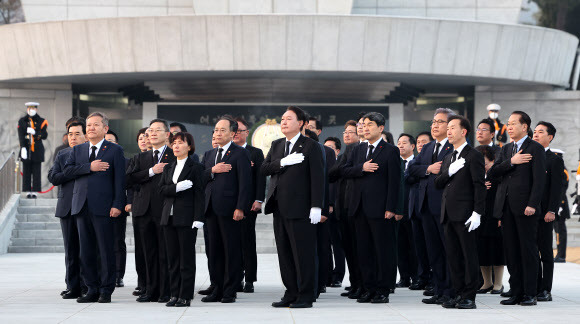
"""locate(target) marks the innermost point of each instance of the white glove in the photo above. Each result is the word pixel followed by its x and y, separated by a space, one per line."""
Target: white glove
pixel 183 185
pixel 315 215
pixel 291 159
pixel 23 153
pixel 475 221
pixel 197 224
pixel 30 130
pixel 456 166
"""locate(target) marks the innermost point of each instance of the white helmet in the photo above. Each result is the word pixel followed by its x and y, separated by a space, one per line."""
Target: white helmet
pixel 494 107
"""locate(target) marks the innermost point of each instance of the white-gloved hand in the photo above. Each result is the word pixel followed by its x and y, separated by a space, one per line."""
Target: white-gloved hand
pixel 23 153
pixel 291 159
pixel 475 221
pixel 30 130
pixel 456 166
pixel 183 185
pixel 315 215
pixel 197 224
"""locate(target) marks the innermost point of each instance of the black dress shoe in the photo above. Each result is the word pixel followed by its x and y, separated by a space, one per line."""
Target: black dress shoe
pixel 443 299
pixel 207 291
pixel 392 290
pixel 514 300
pixel 485 290
pixel 429 292
pixel 544 296
pixel 240 288
pixel 64 292
pixel 105 298
pixel 183 302
pixel 466 304
pixel 355 294
pixel 335 284
pixel 28 196
pixel 213 298
pixel 507 293
pixel 322 290
pixel 365 298
pixel 145 299
pixel 559 260
pixel 497 292
pixel 72 294
pixel 249 287
pixel 380 299
pixel 228 300
pixel 88 298
pixel 139 292
pixel 119 283
pixel 163 299
pixel 452 302
pixel 431 301
pixel 418 285
pixel 301 305
pixel 528 301
pixel 347 288
pixel 403 283
pixel 137 288
pixel 172 302
pixel 283 303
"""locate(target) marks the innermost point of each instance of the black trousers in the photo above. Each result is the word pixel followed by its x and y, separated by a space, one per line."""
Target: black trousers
pixel 407 255
pixel 140 265
pixel 435 242
pixel 348 234
pixel 31 175
pixel 546 264
pixel 462 258
pixel 120 226
pixel 561 236
pixel 249 255
pixel 337 250
pixel 376 241
pixel 155 253
pixel 208 256
pixel 296 245
pixel 225 239
pixel 423 266
pixel 96 236
pixel 180 242
pixel 520 237
pixel 324 255
pixel 72 252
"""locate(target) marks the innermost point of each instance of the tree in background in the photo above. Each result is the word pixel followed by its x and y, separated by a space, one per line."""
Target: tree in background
pixel 559 14
pixel 11 12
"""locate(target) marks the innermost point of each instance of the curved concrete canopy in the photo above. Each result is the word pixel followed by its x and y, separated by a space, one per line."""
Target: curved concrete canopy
pixel 386 47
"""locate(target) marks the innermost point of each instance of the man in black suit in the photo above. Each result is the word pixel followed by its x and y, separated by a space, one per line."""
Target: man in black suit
pixel 544 134
pixel 462 179
pixel 375 169
pixel 147 207
pixel 98 196
pixel 522 166
pixel 424 168
pixel 228 192
pixel 258 192
pixel 295 196
pixel 68 223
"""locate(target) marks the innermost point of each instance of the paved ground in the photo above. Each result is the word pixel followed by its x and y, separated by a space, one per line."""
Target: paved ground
pixel 30 284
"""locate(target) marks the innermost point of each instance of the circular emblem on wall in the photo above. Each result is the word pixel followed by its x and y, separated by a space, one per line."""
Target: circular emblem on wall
pixel 263 135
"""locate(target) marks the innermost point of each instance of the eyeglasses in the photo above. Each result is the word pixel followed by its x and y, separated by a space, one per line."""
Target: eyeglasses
pixel 158 130
pixel 438 122
pixel 239 131
pixel 481 130
pixel 348 132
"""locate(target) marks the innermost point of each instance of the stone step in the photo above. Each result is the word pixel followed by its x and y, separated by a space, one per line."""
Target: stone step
pixel 28 210
pixel 38 202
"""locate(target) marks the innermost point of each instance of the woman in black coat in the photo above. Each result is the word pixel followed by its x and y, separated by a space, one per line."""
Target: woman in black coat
pixel 183 207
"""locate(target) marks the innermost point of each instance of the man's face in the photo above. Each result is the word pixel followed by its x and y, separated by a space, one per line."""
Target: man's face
pixel 405 146
pixel 75 136
pixel 349 135
pixel 312 126
pixel 484 134
pixel 422 140
pixel 174 130
pixel 96 130
pixel 214 143
pixel 241 135
pixel 439 126
pixel 223 134
pixel 515 129
pixel 455 134
pixel 290 124
pixel 111 138
pixel 372 131
pixel 157 134
pixel 65 139
pixel 541 135
pixel 332 145
pixel 359 128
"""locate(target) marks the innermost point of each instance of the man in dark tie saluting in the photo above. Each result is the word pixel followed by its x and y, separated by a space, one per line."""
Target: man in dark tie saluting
pixel 295 196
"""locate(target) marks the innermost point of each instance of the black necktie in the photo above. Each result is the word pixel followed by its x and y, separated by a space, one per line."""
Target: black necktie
pixel 219 157
pixel 370 152
pixel 515 149
pixel 93 154
pixel 435 153
pixel 287 151
pixel 155 157
pixel 454 157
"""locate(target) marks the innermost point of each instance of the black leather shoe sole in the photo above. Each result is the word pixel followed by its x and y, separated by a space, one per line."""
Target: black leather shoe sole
pixel 104 299
pixel 301 305
pixel 88 299
pixel 228 300
pixel 282 303
pixel 71 295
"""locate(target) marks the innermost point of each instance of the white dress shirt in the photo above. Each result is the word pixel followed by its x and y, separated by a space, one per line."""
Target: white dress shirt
pixel 443 142
pixel 176 174
pixel 159 157
pixel 375 145
pixel 459 149
pixel 225 149
pixel 292 142
pixel 98 145
pixel 407 160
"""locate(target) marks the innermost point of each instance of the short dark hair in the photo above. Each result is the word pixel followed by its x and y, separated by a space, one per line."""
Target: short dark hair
pixel 389 136
pixel 241 119
pixel 159 120
pixel 376 117
pixel 76 123
pixel 311 134
pixel 463 122
pixel 425 133
pixel 72 120
pixel 180 125
pixel 350 123
pixel 524 118
pixel 486 151
pixel 411 138
pixel 317 123
pixel 230 119
pixel 361 115
pixel 490 123
pixel 186 137
pixel 550 127
pixel 141 131
pixel 335 140
pixel 300 114
pixel 114 134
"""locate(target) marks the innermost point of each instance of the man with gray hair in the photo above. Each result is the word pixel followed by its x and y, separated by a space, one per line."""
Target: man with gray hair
pixel 426 167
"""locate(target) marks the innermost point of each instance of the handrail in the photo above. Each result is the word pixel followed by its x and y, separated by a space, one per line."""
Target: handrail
pixel 7 177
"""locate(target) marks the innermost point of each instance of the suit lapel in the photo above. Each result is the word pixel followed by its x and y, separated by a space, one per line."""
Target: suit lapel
pixel 299 145
pixel 185 171
pixel 212 156
pixel 464 151
pixel 444 151
pixel 84 148
pixel 166 158
pixel 364 148
pixel 229 152
pixel 525 144
pixel 378 149
pixel 104 147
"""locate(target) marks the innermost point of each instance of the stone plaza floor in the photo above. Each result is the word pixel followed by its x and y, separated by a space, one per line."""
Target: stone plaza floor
pixel 30 286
